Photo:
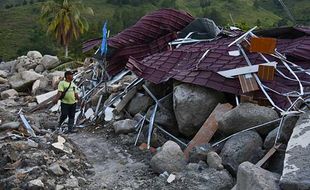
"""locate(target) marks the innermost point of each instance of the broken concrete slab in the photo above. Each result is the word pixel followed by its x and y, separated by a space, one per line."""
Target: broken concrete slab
pixel 9 93
pixel 170 159
pixel 255 178
pixel 247 115
pixel 192 106
pixel 296 170
pixel 124 126
pixel 243 147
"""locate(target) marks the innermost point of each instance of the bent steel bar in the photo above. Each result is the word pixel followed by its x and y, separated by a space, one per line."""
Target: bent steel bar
pixel 26 124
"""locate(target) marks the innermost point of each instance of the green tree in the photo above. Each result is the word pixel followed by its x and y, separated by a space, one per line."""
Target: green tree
pixel 65 20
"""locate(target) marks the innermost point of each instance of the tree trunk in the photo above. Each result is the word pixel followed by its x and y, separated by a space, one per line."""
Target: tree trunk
pixel 66 51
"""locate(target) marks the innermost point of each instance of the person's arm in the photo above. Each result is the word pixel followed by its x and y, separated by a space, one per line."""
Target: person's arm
pixel 60 90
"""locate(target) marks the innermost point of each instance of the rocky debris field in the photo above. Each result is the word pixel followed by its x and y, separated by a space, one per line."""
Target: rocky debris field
pixel 261 149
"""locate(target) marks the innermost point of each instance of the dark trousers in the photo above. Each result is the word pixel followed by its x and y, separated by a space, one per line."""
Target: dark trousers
pixel 67 110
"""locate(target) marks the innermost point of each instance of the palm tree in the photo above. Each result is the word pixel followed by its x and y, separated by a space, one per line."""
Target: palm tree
pixel 64 19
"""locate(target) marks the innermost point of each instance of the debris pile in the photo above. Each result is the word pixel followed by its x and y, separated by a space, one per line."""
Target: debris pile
pixel 216 109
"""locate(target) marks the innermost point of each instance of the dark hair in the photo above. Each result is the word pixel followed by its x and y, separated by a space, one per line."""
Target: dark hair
pixel 68 73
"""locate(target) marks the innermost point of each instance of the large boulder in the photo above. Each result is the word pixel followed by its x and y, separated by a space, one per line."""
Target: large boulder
pixel 49 62
pixel 247 115
pixel 170 159
pixel 255 178
pixel 124 126
pixel 8 93
pixel 243 147
pixel 23 81
pixel 296 170
pixel 192 106
pixel 139 104
pixel 34 55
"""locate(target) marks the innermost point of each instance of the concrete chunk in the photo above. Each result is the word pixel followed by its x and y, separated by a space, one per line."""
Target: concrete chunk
pixel 296 169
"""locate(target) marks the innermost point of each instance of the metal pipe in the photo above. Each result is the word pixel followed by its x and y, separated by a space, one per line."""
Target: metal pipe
pixel 140 129
pixel 26 123
pixel 150 131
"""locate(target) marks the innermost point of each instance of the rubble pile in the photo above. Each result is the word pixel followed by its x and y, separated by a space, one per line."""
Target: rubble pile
pixel 217 111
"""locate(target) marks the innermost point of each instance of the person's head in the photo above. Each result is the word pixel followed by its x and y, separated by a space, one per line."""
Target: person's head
pixel 68 76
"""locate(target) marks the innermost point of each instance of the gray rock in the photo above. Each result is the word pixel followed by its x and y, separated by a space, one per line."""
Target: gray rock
pixel 285 133
pixel 243 147
pixel 124 126
pixel 192 106
pixel 49 62
pixel 9 93
pixel 199 153
pixel 9 66
pixel 35 184
pixel 159 90
pixel 3 80
pixel 39 68
pixel 3 74
pixel 255 178
pixel 247 115
pixel 140 103
pixel 170 159
pixel 24 80
pixel 206 179
pixel 214 161
pixel 296 170
pixel 10 125
pixel 270 139
pixel 59 187
pixel 34 54
pixel 72 182
pixel 165 118
pixel 56 169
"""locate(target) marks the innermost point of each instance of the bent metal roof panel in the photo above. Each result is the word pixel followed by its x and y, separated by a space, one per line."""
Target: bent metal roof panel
pixel 186 64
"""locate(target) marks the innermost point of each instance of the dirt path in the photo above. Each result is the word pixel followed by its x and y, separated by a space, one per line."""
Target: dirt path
pixel 115 166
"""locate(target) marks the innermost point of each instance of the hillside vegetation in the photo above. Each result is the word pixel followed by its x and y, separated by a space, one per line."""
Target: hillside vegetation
pixel 20 29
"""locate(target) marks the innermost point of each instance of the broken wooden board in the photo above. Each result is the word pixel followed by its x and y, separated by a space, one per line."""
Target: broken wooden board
pixel 263 45
pixel 208 129
pixel 266 72
pixel 245 70
pixel 268 155
pixel 131 93
pixel 248 83
pixel 41 98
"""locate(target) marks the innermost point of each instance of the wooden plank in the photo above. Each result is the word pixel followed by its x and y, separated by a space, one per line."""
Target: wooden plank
pixel 266 72
pixel 263 45
pixel 245 70
pixel 248 83
pixel 41 98
pixel 131 93
pixel 208 129
pixel 268 155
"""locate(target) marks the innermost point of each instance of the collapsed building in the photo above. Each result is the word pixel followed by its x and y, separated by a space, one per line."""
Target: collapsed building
pixel 235 100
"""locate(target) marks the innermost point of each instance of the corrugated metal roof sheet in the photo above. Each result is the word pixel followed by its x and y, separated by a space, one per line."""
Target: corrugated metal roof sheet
pixel 183 64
